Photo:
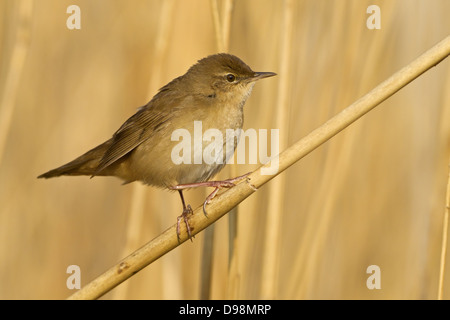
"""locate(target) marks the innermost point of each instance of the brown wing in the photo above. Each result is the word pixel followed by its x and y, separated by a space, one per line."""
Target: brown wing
pixel 140 127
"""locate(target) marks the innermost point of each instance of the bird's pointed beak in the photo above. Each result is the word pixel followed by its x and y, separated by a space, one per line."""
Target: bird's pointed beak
pixel 261 75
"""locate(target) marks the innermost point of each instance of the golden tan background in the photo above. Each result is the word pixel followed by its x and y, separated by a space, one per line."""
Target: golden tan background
pixel 374 194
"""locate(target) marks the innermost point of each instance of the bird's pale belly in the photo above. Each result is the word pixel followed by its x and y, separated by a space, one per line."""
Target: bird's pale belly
pixel 168 164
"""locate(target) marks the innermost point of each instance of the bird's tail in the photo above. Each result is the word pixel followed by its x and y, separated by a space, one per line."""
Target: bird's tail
pixel 85 164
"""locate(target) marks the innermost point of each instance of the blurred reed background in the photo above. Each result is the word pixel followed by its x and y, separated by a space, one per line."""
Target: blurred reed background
pixel 373 195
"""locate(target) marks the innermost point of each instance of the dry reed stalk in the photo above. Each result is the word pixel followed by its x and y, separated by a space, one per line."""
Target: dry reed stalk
pixel 208 237
pixel 275 207
pixel 444 240
pixel 222 32
pixel 224 202
pixel 306 266
pixel 233 272
pixel 136 212
pixel 217 25
pixel 206 264
pixel 227 10
pixel 18 57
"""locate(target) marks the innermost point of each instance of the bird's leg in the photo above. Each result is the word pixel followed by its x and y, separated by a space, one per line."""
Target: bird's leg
pixel 228 183
pixel 186 211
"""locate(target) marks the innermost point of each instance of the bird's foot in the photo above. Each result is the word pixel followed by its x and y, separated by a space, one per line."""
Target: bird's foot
pixel 187 210
pixel 228 183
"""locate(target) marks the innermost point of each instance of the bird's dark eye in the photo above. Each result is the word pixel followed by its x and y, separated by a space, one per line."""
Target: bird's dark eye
pixel 231 77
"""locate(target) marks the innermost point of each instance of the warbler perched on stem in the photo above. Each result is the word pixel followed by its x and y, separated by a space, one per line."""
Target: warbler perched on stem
pixel 213 91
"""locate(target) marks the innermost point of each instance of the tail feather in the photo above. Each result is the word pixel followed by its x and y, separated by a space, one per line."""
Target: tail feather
pixel 85 164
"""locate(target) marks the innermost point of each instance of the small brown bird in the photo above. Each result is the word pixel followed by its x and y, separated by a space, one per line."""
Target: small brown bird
pixel 213 91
